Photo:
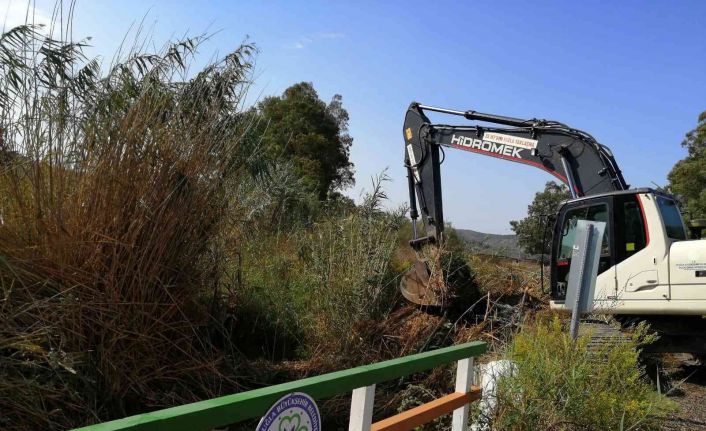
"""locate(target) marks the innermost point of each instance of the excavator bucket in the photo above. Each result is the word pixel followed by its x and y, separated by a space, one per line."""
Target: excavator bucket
pixel 415 285
pixel 424 283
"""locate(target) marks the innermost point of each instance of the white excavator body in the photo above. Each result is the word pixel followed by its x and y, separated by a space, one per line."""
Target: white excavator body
pixel 648 268
pixel 658 271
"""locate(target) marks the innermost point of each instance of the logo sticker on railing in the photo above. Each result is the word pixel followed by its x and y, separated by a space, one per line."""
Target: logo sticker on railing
pixel 293 412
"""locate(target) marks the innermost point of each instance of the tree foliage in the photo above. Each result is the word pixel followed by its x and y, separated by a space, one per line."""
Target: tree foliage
pixel 301 128
pixel 688 177
pixel 530 230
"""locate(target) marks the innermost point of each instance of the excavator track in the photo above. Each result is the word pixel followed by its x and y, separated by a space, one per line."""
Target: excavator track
pixel 684 335
pixel 603 335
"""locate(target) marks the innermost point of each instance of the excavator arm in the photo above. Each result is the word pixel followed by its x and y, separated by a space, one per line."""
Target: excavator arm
pixel 572 156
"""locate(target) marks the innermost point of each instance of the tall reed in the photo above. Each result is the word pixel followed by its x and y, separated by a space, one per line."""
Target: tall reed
pixel 113 196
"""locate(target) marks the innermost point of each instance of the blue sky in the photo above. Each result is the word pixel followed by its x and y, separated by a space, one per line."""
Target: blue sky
pixel 633 74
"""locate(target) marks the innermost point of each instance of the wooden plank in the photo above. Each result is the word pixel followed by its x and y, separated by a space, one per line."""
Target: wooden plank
pixel 362 409
pixel 426 413
pixel 229 409
pixel 464 380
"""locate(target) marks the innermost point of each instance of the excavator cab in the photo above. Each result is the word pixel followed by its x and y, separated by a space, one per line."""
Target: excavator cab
pixel 648 264
pixel 625 234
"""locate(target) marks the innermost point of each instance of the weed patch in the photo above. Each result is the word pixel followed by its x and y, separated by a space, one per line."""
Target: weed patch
pixel 563 385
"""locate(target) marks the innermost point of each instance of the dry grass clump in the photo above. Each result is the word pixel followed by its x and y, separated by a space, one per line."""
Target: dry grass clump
pixel 508 278
pixel 112 198
pixel 349 261
pixel 403 332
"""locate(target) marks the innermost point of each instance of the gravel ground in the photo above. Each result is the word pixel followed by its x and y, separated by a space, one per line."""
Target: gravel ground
pixel 690 395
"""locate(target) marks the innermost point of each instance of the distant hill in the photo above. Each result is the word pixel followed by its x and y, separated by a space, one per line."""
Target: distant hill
pixel 488 243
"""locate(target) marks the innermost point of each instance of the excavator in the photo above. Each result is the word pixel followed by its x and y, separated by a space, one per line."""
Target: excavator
pixel 648 265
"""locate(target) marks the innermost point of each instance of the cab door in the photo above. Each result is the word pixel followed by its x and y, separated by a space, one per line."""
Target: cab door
pixel 600 209
pixel 636 267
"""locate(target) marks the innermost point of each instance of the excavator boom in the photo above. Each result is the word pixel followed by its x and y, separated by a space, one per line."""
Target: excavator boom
pixel 572 156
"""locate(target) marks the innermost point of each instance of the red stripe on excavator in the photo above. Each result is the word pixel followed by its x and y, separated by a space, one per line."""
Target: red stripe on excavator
pixel 515 159
pixel 644 221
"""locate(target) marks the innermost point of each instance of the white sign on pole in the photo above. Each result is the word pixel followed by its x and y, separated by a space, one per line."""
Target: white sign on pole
pixel 584 269
pixel 584 265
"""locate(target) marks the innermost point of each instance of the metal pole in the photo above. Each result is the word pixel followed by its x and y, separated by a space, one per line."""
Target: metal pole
pixel 413 214
pixel 584 285
pixel 442 110
pixel 569 177
pixel 480 116
pixel 544 245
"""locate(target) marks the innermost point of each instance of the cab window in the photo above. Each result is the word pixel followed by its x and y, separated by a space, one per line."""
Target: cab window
pixel 567 234
pixel 591 213
pixel 672 218
pixel 631 231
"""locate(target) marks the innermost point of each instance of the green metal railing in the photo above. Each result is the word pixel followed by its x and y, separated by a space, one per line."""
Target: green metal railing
pixel 230 409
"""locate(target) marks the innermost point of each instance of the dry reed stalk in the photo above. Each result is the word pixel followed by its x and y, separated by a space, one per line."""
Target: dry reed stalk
pixel 113 193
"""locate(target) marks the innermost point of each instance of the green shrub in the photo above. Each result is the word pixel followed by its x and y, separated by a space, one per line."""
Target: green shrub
pixel 564 385
pixel 316 283
pixel 349 264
